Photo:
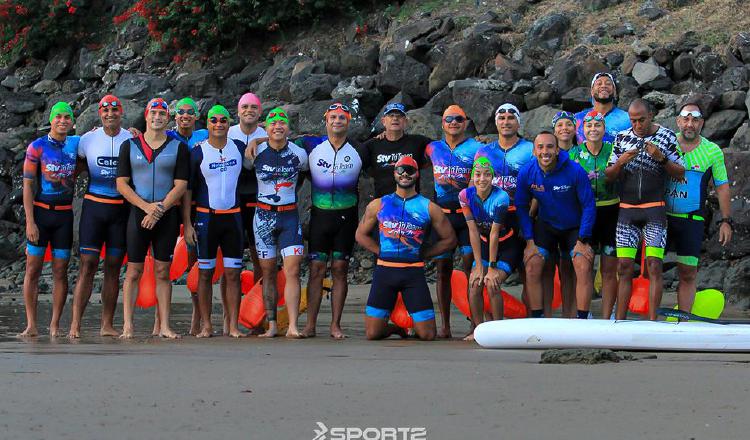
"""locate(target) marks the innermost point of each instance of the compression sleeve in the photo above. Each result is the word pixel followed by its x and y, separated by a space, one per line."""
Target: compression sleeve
pixel 182 166
pixel 587 201
pixel 123 160
pixel 523 200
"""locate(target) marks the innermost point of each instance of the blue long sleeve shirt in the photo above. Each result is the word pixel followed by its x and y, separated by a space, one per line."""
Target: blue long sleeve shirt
pixel 564 195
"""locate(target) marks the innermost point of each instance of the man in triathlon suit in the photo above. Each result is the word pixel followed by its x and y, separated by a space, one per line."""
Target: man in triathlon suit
pixel 642 159
pixel 214 175
pixel 604 98
pixel 48 188
pixel 485 207
pixel 403 219
pixel 686 200
pixel 334 170
pixel 593 156
pixel 507 156
pixel 381 153
pixel 152 175
pixel 104 216
pixel 563 224
pixel 278 167
pixel 452 158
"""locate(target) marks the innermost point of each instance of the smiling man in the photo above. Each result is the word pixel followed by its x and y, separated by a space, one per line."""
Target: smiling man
pixel 604 98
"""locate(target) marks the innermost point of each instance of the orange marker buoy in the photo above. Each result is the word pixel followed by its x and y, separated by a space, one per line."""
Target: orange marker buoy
pixel 557 292
pixel 147 286
pixel 247 281
pixel 219 269
pixel 252 309
pixel 48 254
pixel 459 292
pixel 639 292
pixel 179 260
pixel 192 278
pixel 400 316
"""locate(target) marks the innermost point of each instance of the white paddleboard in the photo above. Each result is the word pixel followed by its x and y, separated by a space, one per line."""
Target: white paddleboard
pixel 543 333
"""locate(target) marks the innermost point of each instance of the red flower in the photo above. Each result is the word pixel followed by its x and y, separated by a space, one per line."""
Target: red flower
pixel 194 32
pixel 197 10
pixel 69 3
pixel 72 10
pixel 21 10
pixel 177 59
pixel 276 48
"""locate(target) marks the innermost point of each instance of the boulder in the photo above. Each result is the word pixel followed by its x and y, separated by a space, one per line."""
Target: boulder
pixel 661 100
pixel 438 103
pixel 628 63
pixel 733 100
pixel 722 124
pixel 464 59
pixel 537 120
pixel 662 56
pixel 543 94
pixel 417 37
pixel 46 87
pixel 739 45
pixel 9 120
pixel 642 49
pixel 574 70
pixel 309 83
pixel 359 59
pixel 141 86
pixel 87 63
pixel 733 78
pixel 711 275
pixel 741 138
pixel 650 10
pixel 362 90
pixel 622 30
pixel 736 281
pixel 58 64
pixel 240 83
pixel 423 122
pixel 479 98
pixel 614 59
pixel 21 102
pixel 598 5
pixel 196 85
pixel 548 33
pixel 132 116
pixel 708 66
pixel 274 84
pixel 627 91
pixel 682 66
pixel 651 76
pixel 707 101
pixel 30 73
pixel 577 99
pixel 509 70
pixel 10 82
pixel 400 72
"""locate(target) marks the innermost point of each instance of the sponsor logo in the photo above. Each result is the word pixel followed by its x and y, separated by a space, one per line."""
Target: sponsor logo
pixel 535 187
pixel 222 165
pixel 561 188
pixel 106 162
pixel 323 432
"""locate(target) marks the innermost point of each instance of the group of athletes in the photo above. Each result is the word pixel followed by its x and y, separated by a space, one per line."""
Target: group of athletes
pixel 601 181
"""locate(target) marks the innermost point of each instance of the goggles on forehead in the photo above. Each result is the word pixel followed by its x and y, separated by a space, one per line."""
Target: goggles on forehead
pixel 597 117
pixel 275 114
pixel 158 104
pixel 339 106
pixel 500 111
pixel 113 104
pixel 695 113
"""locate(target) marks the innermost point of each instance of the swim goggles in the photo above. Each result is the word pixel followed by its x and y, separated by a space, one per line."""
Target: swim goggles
pixel 189 111
pixel 563 115
pixel 597 117
pixel 215 120
pixel 448 119
pixel 113 104
pixel 406 169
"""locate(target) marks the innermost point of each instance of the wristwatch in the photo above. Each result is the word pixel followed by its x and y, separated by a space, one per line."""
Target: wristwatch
pixel 727 220
pixel 584 240
pixel 493 264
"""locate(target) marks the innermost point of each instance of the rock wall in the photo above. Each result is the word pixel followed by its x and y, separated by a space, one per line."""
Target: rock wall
pixel 427 63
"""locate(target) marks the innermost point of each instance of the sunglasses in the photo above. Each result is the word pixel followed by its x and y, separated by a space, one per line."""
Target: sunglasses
pixel 162 104
pixel 589 118
pixel 695 113
pixel 215 120
pixel 449 119
pixel 407 169
pixel 189 111
pixel 113 104
pixel 339 106
pixel 279 114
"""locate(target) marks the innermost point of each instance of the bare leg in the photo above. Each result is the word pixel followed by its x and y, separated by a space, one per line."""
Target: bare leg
pixel 270 295
pixel 476 307
pixel 656 285
pixel 444 270
pixel 339 269
pixel 609 285
pixel 205 299
pixel 584 283
pixel 82 292
pixel 376 328
pixel 314 295
pixel 109 294
pixel 59 293
pixel 31 293
pixel 232 306
pixel 624 286
pixel 292 293
pixel 686 288
pixel 195 319
pixel 129 294
pixel 164 297
pixel 225 310
pixel 425 330
pixel 496 298
pixel 534 270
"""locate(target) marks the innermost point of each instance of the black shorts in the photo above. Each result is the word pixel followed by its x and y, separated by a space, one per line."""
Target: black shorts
pixel 458 223
pixel 103 223
pixel 387 282
pixel 685 238
pixel 509 254
pixel 55 229
pixel 161 239
pixel 332 233
pixel 603 236
pixel 247 208
pixel 550 240
pixel 219 230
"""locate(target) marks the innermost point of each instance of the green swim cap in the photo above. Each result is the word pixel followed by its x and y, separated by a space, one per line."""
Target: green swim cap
pixel 277 114
pixel 482 162
pixel 187 101
pixel 61 108
pixel 219 110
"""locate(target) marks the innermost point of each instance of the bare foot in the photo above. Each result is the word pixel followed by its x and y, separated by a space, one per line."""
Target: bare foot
pixel 236 334
pixel 127 333
pixel 74 333
pixel 336 333
pixel 205 333
pixel 271 332
pixel 54 331
pixel 469 337
pixel 308 332
pixel 30 332
pixel 108 330
pixel 195 327
pixel 293 334
pixel 444 333
pixel 169 334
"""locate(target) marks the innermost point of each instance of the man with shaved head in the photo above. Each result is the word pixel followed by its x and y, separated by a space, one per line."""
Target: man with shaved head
pixel 642 159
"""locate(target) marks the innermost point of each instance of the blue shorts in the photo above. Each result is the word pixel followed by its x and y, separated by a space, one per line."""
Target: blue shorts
pixel 387 282
pixel 277 230
pixel 219 230
pixel 101 223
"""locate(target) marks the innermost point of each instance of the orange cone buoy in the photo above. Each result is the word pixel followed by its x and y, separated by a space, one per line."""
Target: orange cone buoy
pixel 247 281
pixel 252 309
pixel 400 316
pixel 147 286
pixel 179 260
pixel 557 292
pixel 639 292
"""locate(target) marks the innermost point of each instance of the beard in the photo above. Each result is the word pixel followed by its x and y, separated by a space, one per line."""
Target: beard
pixel 409 185
pixel 607 100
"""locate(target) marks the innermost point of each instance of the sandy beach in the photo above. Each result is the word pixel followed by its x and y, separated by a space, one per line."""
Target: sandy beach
pixel 259 389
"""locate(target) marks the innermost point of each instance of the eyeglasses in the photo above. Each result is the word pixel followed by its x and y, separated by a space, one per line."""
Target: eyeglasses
pixel 695 113
pixel 162 104
pixel 597 117
pixel 215 120
pixel 407 169
pixel 448 119
pixel 339 106
pixel 279 114
pixel 106 104
pixel 189 111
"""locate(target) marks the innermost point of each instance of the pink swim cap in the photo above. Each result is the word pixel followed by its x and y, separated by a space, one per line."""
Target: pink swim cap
pixel 249 98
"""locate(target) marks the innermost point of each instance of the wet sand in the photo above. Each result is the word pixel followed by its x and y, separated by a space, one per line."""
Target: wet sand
pixel 148 388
